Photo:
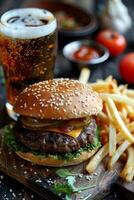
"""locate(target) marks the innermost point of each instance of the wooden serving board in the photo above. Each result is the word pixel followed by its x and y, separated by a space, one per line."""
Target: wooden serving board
pixel 40 179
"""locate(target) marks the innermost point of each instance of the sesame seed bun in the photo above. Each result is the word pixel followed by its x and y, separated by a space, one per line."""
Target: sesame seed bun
pixel 50 161
pixel 58 99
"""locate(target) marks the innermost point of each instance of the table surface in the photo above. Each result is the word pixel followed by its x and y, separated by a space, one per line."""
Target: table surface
pixel 10 189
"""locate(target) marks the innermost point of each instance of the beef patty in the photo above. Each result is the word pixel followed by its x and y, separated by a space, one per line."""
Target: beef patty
pixel 52 142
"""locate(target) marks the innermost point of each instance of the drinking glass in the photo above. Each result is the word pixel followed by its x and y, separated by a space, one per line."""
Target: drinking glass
pixel 28 46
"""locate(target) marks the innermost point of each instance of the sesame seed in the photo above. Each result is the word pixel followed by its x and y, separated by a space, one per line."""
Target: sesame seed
pixel 38 181
pixel 88 177
pixel 13 194
pixel 25 105
pixel 14 166
pixel 95 174
pixel 80 175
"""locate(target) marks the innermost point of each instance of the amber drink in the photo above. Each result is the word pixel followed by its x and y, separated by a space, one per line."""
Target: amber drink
pixel 27 48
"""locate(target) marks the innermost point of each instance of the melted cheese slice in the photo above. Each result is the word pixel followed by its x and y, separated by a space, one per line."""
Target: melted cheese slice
pixel 74 133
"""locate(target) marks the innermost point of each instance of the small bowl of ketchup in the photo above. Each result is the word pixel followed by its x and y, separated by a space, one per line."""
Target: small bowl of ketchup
pixel 85 53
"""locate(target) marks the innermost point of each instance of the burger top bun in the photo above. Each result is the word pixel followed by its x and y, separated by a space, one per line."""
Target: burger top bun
pixel 58 99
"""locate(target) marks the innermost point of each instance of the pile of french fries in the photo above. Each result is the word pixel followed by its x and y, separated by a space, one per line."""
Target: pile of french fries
pixel 116 123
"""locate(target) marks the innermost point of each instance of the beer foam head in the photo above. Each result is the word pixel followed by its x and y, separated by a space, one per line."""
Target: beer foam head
pixel 27 23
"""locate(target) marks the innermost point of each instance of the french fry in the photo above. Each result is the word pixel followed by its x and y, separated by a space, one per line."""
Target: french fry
pixel 131 126
pixel 97 158
pixel 103 117
pixel 109 113
pixel 118 121
pixel 112 140
pixel 118 153
pixel 122 89
pixel 124 112
pixel 118 98
pixel 84 75
pixel 102 86
pixel 120 136
pixel 130 93
pixel 109 79
pixel 130 111
pixel 124 115
pixel 126 120
pixel 128 172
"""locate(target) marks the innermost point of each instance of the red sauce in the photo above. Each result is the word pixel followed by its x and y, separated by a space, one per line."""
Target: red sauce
pixel 86 53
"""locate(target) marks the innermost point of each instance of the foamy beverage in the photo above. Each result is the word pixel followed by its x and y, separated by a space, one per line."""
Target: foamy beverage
pixel 27 48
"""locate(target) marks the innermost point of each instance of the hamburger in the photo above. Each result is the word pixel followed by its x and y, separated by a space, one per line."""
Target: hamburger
pixel 56 124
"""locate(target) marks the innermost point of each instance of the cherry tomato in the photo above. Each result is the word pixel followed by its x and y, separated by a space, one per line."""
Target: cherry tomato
pixel 127 67
pixel 112 40
pixel 86 53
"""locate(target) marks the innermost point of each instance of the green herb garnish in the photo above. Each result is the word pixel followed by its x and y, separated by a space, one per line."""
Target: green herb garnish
pixel 69 187
pixel 63 173
pixel 60 189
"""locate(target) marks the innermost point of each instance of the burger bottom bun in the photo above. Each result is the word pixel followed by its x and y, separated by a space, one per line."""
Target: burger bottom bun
pixel 49 161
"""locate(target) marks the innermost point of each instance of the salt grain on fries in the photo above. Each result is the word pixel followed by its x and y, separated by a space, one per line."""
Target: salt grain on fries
pixel 117 120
